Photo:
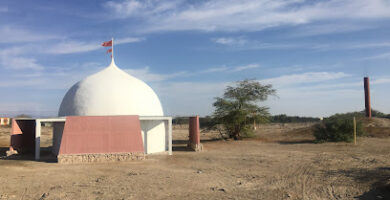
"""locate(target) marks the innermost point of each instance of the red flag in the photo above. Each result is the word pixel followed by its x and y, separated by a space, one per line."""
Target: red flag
pixel 109 51
pixel 107 44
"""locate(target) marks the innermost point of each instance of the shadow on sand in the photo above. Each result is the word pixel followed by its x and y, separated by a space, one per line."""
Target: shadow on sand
pixel 378 178
pixel 181 145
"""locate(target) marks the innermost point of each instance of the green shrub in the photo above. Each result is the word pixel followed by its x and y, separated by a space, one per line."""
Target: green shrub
pixel 337 128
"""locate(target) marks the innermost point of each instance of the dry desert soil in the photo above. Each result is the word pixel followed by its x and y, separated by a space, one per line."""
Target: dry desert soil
pixel 280 162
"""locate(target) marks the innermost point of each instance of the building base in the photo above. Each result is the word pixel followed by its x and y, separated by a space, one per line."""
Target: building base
pixel 195 147
pixel 109 157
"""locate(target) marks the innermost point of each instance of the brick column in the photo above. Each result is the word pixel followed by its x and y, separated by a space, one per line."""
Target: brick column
pixel 367 96
pixel 194 134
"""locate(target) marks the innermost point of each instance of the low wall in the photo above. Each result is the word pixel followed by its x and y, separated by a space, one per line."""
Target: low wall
pixel 90 158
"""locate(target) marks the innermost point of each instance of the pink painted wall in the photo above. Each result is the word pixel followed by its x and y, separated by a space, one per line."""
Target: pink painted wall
pixel 194 131
pixel 23 136
pixel 101 134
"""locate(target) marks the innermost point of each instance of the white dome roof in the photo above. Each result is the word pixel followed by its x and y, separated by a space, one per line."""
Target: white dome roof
pixel 111 92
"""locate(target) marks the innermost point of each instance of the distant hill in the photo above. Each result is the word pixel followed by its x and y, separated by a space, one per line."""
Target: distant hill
pixel 292 119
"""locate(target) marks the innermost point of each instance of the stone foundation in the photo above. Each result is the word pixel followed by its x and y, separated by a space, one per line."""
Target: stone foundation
pixel 110 157
pixel 195 147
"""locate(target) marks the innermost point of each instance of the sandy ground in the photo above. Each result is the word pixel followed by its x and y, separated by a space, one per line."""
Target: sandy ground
pixel 282 162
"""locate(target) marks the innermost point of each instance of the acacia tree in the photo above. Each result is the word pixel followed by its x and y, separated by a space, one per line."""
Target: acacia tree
pixel 238 109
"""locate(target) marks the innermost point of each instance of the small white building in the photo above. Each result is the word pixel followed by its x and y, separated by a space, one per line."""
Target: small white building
pixel 4 121
pixel 110 92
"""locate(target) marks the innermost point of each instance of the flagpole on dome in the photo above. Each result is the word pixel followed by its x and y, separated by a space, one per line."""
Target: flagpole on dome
pixel 112 53
pixel 111 50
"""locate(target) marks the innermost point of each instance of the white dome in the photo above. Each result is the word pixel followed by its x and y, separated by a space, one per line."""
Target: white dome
pixel 110 92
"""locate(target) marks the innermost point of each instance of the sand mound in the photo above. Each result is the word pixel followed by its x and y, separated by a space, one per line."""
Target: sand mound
pixel 377 127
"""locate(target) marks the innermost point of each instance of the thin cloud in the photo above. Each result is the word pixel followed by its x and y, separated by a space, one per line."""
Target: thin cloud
pixel 245 67
pixel 36 109
pixel 72 47
pixel 22 56
pixel 241 43
pixel 12 58
pixel 176 96
pixel 20 63
pixel 215 69
pixel 243 15
pixel 21 83
pixel 10 34
pixel 49 77
pixel 331 86
pixel 146 75
pixel 323 29
pixel 370 45
pixel 3 9
pixel 308 77
pixel 128 40
pixel 380 81
pixel 135 8
pixel 69 47
pixel 315 98
pixel 230 41
pixel 229 69
pixel 378 57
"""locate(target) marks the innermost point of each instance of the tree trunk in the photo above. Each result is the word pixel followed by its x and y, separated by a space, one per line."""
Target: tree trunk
pixel 237 136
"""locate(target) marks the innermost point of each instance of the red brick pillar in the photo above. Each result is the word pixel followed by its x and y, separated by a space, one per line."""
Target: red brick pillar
pixel 194 134
pixel 367 96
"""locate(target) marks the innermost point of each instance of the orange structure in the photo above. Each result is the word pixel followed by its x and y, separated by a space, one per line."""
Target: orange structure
pixel 4 121
pixel 194 134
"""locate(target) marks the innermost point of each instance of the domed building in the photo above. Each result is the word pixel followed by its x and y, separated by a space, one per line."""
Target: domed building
pixel 107 116
pixel 110 91
pixel 113 92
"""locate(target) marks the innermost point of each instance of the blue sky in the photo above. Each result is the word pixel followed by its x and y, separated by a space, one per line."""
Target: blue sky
pixel 314 52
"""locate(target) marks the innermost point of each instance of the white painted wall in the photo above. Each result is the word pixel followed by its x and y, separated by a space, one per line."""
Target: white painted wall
pixel 153 136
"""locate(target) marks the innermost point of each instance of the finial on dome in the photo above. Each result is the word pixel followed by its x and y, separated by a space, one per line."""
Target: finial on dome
pixel 112 63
